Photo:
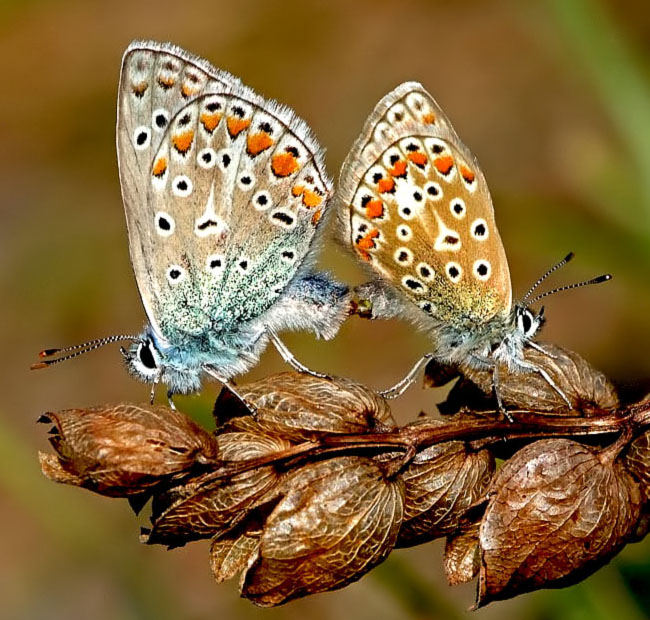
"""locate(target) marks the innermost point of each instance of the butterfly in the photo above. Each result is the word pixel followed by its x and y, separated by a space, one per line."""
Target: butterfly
pixel 415 208
pixel 225 195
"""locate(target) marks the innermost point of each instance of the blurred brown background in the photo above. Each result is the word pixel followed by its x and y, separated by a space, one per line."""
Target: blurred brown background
pixel 554 99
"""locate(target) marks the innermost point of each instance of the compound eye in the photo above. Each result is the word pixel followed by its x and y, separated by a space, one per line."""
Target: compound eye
pixel 526 322
pixel 146 356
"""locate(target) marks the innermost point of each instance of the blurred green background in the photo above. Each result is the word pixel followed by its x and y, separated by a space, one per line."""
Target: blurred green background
pixel 552 96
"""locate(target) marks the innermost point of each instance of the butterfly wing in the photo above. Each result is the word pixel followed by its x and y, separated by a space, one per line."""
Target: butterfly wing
pixel 228 207
pixel 156 80
pixel 415 206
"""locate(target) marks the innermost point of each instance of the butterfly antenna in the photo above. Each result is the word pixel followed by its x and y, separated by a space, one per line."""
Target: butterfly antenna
pixel 568 287
pixel 553 269
pixel 76 350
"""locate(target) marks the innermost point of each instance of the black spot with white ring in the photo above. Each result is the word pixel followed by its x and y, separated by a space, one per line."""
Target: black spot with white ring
pixel 288 256
pixel 206 158
pixel 454 271
pixel 141 138
pixel 182 186
pixel 215 264
pixel 175 274
pixel 404 232
pixel 165 224
pixel 433 190
pixel 457 208
pixel 414 285
pixel 479 229
pixel 482 270
pixel 262 200
pixel 159 118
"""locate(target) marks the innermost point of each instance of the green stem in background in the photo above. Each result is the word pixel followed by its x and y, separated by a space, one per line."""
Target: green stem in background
pixel 618 75
pixel 415 594
pixel 602 597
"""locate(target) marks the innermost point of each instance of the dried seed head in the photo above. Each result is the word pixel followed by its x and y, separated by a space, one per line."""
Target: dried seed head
pixel 298 407
pixel 122 450
pixel 440 485
pixel 558 511
pixel 337 519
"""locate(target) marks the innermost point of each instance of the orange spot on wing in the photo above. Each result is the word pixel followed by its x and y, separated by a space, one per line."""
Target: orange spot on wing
pixel 386 185
pixel 316 217
pixel 210 121
pixel 418 158
pixel 298 190
pixel 367 242
pixel 258 142
pixel 160 166
pixel 237 125
pixel 188 91
pixel 443 164
pixel 139 89
pixel 311 199
pixel 183 141
pixel 166 82
pixel 375 208
pixel 467 174
pixel 398 169
pixel 284 164
pixel 429 118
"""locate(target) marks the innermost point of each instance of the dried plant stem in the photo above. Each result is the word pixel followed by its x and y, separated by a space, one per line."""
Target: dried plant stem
pixel 413 439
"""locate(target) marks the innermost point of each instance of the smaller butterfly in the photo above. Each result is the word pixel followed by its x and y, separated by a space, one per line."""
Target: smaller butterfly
pixel 415 207
pixel 225 195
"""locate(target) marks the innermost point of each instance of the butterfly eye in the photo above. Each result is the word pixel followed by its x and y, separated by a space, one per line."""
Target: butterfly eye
pixel 146 356
pixel 526 323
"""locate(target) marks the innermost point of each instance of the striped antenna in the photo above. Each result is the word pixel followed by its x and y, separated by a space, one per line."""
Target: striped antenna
pixel 568 287
pixel 76 350
pixel 553 269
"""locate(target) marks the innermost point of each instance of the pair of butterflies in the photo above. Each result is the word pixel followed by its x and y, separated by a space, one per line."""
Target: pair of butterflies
pixel 226 195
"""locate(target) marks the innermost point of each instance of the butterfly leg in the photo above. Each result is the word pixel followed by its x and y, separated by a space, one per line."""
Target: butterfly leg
pixel 403 384
pixel 487 363
pixel 230 386
pixel 152 395
pixel 497 393
pixel 541 349
pixel 289 357
pixel 172 406
pixel 542 373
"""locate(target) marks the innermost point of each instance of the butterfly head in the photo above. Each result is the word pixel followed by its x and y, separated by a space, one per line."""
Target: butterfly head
pixel 144 360
pixel 149 362
pixel 527 322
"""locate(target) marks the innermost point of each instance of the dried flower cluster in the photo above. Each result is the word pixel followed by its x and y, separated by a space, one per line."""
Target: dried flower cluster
pixel 321 484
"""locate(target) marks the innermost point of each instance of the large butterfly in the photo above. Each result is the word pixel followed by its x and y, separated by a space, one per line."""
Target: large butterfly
pixel 225 194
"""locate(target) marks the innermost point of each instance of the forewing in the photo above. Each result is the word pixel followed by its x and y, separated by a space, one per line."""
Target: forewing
pixel 415 206
pixel 156 81
pixel 234 197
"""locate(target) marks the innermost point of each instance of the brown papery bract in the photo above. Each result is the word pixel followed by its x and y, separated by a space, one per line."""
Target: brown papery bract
pixel 440 485
pixel 337 519
pixel 559 510
pixel 462 557
pixel 299 407
pixel 205 507
pixel 122 450
pixel 319 485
